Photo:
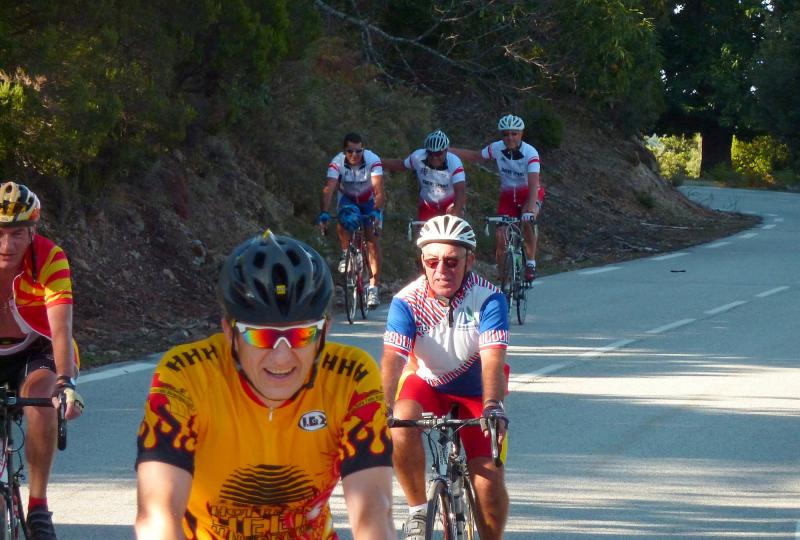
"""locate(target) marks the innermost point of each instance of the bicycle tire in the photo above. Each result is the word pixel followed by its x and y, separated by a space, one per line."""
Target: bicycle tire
pixel 507 281
pixel 438 523
pixel 350 286
pixel 12 519
pixel 520 294
pixel 470 512
pixel 363 281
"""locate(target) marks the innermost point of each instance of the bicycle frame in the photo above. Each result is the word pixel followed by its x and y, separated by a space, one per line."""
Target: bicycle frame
pixel 357 275
pixel 12 523
pixel 449 476
pixel 512 281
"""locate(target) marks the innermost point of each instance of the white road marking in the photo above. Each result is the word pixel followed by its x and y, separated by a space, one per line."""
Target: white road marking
pixel 778 220
pixel 116 372
pixel 748 235
pixel 772 291
pixel 608 348
pixel 726 307
pixel 716 245
pixel 599 270
pixel 670 256
pixel 671 326
pixel 770 226
pixel 517 381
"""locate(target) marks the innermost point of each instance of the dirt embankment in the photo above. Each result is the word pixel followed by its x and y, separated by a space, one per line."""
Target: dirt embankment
pixel 145 258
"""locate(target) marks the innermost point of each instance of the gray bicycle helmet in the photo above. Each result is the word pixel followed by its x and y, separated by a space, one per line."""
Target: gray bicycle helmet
pixel 510 123
pixel 447 229
pixel 436 141
pixel 273 279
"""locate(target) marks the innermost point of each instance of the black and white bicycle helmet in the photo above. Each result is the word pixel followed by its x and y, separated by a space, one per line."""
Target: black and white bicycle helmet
pixel 510 123
pixel 448 229
pixel 436 141
pixel 273 279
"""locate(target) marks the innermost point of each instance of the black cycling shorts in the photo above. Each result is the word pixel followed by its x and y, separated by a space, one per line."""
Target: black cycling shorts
pixel 15 368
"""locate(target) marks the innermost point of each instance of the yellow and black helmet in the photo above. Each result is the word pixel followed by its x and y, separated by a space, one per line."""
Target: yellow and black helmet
pixel 19 206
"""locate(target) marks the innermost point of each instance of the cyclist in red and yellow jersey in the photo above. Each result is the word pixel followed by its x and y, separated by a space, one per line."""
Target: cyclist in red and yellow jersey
pixel 37 353
pixel 246 433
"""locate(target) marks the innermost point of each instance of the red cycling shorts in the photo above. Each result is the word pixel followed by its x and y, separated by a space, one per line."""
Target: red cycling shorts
pixel 427 210
pixel 415 388
pixel 512 201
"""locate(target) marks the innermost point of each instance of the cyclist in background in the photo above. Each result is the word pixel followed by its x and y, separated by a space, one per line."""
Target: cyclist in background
pixel 38 357
pixel 445 344
pixel 246 433
pixel 357 175
pixel 521 194
pixel 442 182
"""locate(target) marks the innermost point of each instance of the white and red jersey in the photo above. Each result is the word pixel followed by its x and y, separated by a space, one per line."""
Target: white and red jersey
pixel 446 341
pixel 514 165
pixel 355 182
pixel 435 185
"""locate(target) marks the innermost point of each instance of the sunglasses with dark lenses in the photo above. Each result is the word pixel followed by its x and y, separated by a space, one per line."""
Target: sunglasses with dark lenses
pixel 268 337
pixel 436 154
pixel 354 151
pixel 449 262
pixel 509 133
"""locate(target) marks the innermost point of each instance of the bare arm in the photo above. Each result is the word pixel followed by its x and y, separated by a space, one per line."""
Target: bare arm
pixel 368 495
pixel 392 365
pixel 493 376
pixel 377 186
pixel 327 194
pixel 473 156
pixel 162 495
pixel 460 190
pixel 59 317
pixel 533 193
pixel 393 165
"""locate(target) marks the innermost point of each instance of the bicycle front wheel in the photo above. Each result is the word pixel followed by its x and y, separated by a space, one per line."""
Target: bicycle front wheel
pixel 439 525
pixel 10 522
pixel 351 291
pixel 470 512
pixel 521 300
pixel 507 281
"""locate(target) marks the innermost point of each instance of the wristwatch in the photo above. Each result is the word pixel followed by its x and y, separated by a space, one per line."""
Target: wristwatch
pixel 66 380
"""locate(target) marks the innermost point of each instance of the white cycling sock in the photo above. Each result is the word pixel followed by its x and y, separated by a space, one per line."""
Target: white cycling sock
pixel 531 262
pixel 420 507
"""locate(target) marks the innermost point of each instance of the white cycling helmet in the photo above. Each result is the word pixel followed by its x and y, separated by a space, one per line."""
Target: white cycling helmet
pixel 448 229
pixel 436 141
pixel 510 123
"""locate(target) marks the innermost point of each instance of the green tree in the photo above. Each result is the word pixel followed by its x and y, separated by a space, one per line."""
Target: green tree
pixel 92 90
pixel 708 48
pixel 777 77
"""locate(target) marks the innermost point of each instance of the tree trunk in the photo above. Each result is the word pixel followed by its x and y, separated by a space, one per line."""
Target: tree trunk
pixel 716 147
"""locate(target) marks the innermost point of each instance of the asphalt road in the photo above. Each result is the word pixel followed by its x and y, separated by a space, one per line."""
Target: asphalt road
pixel 658 398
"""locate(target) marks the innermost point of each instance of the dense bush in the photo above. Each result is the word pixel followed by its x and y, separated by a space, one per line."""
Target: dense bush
pixel 677 156
pixel 96 90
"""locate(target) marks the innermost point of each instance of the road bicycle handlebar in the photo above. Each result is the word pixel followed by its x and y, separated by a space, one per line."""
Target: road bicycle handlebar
pixel 442 423
pixel 12 402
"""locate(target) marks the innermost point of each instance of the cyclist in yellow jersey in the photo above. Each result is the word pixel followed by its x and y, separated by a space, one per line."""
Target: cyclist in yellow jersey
pixel 246 433
pixel 38 356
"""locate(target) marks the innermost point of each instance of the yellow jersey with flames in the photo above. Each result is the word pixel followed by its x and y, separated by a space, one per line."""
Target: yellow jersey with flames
pixel 261 473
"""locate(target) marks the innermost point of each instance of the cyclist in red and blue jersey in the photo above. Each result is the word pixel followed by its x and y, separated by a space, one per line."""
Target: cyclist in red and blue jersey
pixel 38 357
pixel 445 344
pixel 521 193
pixel 356 175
